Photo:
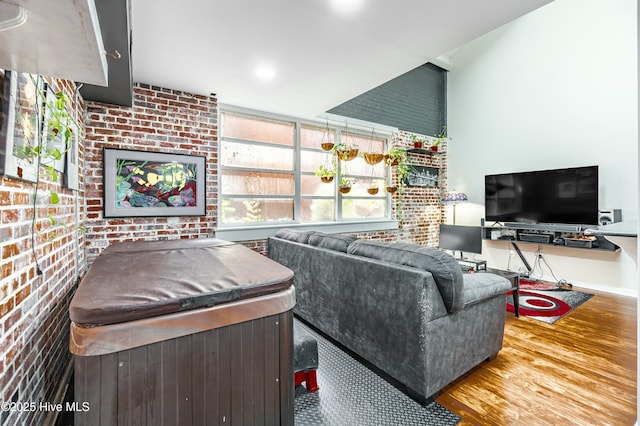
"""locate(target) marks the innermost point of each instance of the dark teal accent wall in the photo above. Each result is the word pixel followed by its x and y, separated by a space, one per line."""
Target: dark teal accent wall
pixel 414 101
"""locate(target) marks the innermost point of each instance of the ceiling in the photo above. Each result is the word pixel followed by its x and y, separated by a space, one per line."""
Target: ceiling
pixel 296 57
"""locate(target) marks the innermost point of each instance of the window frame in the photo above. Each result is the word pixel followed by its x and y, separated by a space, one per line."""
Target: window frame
pixel 259 231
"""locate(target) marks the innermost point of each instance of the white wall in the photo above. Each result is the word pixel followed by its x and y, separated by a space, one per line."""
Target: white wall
pixel 556 88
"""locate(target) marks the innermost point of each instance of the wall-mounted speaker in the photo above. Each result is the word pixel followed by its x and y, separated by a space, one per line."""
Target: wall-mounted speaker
pixel 607 216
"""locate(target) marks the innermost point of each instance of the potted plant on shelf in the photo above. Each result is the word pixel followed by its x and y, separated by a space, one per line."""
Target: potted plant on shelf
pixel 440 137
pixel 345 185
pixel 418 142
pixel 326 173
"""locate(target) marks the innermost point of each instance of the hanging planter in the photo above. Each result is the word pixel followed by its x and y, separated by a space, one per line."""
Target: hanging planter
pixel 393 156
pixel 327 172
pixel 327 146
pixel 345 186
pixel 372 157
pixel 391 189
pixel 373 190
pixel 327 141
pixel 346 153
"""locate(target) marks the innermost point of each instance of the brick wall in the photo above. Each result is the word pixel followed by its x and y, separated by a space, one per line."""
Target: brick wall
pixel 33 308
pixel 161 120
pixel 422 209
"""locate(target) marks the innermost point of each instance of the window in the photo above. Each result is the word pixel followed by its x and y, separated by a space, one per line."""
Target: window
pixel 267 170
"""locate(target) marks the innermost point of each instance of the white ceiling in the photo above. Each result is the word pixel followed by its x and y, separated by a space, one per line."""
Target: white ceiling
pixel 321 53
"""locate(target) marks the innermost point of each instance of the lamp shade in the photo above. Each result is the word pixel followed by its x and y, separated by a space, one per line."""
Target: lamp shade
pixel 454 197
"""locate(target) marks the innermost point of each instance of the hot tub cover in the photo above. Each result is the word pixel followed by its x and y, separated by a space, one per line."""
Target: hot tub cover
pixel 143 279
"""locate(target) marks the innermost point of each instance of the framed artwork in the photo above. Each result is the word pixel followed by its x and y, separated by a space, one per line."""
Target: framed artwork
pixel 143 184
pixel 22 103
pixel 71 175
pixel 423 176
pixel 54 143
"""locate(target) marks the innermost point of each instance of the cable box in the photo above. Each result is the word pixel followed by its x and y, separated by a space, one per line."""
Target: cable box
pixel 535 238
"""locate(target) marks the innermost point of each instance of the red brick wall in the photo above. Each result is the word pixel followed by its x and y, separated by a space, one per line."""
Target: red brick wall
pixel 161 120
pixel 34 321
pixel 422 209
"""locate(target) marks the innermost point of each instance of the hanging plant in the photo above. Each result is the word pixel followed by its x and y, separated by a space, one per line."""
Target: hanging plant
pixel 391 189
pixel 393 156
pixel 346 152
pixel 326 172
pixel 345 185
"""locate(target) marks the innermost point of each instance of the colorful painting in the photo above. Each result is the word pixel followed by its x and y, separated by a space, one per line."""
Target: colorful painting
pixel 139 183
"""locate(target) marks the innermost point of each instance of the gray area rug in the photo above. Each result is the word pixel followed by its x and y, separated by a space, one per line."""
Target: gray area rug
pixel 352 395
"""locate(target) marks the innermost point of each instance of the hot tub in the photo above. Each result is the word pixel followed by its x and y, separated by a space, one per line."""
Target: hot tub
pixel 183 332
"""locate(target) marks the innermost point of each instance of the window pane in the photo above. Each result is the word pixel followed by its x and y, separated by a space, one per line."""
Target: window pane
pixel 312 185
pixel 248 182
pixel 244 210
pixel 363 208
pixel 317 210
pixel 256 156
pixel 358 166
pixel 314 137
pixel 257 129
pixel 310 160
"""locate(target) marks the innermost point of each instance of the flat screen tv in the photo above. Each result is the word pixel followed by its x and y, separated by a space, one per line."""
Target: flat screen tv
pixel 560 196
pixel 461 238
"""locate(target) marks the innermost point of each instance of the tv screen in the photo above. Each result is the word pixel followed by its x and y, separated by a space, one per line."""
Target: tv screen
pixel 462 238
pixel 568 196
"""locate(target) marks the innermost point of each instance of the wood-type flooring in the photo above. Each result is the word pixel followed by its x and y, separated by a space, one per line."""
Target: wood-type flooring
pixel 582 370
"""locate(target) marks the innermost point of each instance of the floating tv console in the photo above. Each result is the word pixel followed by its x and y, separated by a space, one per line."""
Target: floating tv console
pixel 561 235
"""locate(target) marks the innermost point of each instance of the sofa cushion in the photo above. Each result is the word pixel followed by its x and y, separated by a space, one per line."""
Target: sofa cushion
pixel 294 235
pixel 444 268
pixel 481 286
pixel 331 241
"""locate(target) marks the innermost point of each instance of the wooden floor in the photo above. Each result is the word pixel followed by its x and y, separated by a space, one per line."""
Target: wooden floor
pixel 582 370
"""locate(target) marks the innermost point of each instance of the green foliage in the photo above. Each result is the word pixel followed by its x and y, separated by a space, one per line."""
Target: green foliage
pixel 323 171
pixel 440 137
pixel 344 181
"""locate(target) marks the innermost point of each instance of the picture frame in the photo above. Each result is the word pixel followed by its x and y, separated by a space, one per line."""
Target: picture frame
pixel 153 184
pixel 22 103
pixel 422 176
pixel 71 159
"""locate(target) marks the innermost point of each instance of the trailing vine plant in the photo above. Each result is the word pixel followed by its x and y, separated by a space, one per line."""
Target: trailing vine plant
pixel 55 124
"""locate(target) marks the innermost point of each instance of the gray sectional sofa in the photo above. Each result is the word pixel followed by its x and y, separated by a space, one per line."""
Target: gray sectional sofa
pixel 406 309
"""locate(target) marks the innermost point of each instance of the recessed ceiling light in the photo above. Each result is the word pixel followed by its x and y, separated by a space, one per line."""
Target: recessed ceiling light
pixel 346 7
pixel 265 72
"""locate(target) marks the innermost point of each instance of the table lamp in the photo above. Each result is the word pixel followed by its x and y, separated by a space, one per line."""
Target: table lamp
pixel 454 197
